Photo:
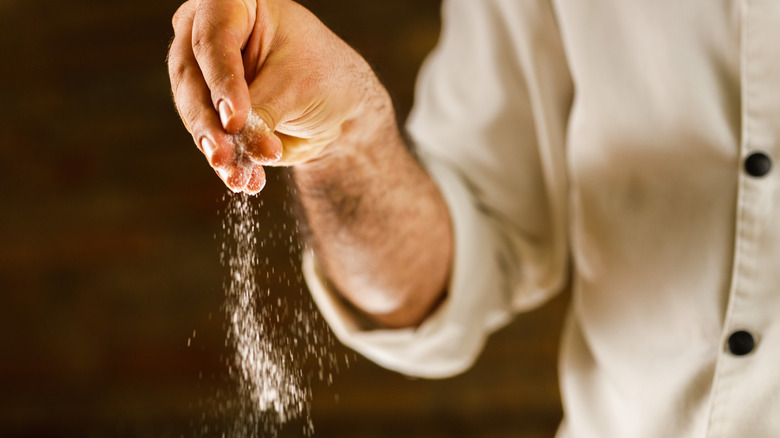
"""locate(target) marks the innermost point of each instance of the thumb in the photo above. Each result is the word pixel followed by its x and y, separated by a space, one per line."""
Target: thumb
pixel 301 116
pixel 256 142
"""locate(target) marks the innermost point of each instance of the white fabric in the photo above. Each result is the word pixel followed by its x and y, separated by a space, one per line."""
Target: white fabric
pixel 607 139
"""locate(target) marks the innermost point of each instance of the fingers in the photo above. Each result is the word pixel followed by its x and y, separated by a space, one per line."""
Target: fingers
pixel 191 95
pixel 249 179
pixel 220 29
pixel 239 177
pixel 193 101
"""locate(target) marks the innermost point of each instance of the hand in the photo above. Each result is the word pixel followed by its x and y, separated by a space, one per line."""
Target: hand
pixel 270 62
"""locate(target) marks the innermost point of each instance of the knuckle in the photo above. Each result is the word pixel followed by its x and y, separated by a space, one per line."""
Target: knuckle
pixel 202 41
pixel 176 19
pixel 207 38
pixel 177 72
pixel 179 16
pixel 177 69
pixel 190 115
pixel 268 114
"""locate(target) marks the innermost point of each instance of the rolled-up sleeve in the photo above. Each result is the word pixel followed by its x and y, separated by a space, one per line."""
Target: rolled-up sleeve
pixel 489 124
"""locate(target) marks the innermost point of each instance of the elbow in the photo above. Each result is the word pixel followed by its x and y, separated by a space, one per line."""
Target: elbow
pixel 394 306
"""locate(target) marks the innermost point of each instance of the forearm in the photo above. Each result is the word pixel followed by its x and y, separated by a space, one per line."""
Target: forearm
pixel 379 226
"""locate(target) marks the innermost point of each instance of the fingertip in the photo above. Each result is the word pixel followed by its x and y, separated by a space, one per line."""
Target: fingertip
pixel 218 155
pixel 231 179
pixel 224 175
pixel 266 150
pixel 239 178
pixel 257 181
pixel 264 147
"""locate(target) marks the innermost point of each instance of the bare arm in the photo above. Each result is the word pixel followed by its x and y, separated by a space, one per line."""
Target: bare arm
pixel 380 227
pixel 381 230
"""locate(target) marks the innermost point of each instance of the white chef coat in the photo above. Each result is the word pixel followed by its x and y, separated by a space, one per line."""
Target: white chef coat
pixel 625 145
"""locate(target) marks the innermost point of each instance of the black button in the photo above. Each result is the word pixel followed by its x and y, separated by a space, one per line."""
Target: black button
pixel 741 343
pixel 758 164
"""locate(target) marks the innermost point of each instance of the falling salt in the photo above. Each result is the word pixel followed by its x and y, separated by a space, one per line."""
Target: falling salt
pixel 265 377
pixel 278 339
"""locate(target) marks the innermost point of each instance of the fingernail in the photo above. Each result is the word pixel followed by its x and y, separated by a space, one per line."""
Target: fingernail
pixel 208 147
pixel 276 155
pixel 225 112
pixel 224 175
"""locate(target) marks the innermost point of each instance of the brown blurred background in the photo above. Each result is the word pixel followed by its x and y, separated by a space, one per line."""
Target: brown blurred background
pixel 109 260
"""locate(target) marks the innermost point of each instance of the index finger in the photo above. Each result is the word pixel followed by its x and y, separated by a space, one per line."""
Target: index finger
pixel 191 95
pixel 219 33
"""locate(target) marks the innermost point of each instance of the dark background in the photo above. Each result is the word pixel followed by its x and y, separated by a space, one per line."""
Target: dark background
pixel 109 247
